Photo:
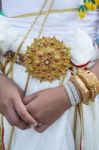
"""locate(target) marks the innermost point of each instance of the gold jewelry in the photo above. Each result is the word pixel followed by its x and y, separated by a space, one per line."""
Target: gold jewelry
pixel 47 59
pixel 90 81
pixel 94 79
pixel 54 11
pixel 82 88
pixel 83 8
pixel 87 84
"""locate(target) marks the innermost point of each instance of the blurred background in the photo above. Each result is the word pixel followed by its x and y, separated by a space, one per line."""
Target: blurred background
pixel 0 8
pixel 0 4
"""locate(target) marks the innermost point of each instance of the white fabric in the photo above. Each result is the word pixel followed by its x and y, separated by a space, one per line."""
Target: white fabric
pixel 63 25
pixel 81 53
pixel 81 48
pixel 6 34
pixel 67 20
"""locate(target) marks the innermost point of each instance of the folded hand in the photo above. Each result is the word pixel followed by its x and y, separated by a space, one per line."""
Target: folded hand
pixel 47 106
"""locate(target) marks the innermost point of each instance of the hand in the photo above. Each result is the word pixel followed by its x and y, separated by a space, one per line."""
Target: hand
pixel 47 106
pixel 11 105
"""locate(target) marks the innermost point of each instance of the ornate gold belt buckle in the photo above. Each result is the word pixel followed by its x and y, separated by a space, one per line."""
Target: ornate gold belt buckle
pixel 47 59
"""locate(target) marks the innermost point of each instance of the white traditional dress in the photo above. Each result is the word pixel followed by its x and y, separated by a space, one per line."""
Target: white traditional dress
pixel 79 34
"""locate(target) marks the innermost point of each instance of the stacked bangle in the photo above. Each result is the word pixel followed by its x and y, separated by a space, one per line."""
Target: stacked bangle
pixel 82 87
pixel 88 82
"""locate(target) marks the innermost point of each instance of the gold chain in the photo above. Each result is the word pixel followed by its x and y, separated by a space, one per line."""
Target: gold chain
pixel 25 37
pixel 45 12
pixel 39 34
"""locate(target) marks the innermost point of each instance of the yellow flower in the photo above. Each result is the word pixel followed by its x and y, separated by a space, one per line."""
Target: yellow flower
pixel 88 4
pixel 82 11
pixel 97 2
pixel 94 6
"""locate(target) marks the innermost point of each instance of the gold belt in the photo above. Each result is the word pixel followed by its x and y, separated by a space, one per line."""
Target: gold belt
pixel 46 58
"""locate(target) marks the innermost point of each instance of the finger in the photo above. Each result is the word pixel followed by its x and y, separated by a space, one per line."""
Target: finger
pixel 41 128
pixel 19 89
pixel 32 107
pixel 14 120
pixel 29 98
pixel 23 113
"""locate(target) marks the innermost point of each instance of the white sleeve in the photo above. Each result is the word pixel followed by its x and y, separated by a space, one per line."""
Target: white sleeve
pixel 95 55
pixel 7 34
pixel 81 48
pixel 84 51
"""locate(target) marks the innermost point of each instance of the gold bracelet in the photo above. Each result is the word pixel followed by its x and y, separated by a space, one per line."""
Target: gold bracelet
pixel 89 82
pixel 98 87
pixel 94 78
pixel 82 88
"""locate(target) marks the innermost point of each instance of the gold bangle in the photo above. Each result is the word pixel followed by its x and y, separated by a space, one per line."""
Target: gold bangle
pixel 94 78
pixel 98 87
pixel 82 88
pixel 90 84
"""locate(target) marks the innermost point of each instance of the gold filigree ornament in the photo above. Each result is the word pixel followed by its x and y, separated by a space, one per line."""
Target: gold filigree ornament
pixel 47 59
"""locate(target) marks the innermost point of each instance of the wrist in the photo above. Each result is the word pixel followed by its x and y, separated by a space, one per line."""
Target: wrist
pixel 72 92
pixel 65 97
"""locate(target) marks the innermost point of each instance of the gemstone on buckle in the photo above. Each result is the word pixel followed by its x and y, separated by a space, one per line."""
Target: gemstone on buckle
pixel 47 62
